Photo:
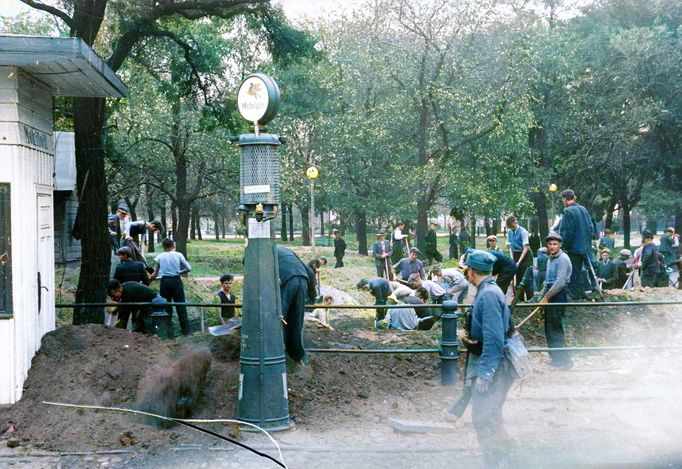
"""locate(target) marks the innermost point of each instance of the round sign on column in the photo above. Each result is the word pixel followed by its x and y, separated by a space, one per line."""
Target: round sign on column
pixel 258 98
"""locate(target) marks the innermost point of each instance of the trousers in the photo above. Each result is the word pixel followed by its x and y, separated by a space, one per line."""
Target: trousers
pixel 171 288
pixel 293 295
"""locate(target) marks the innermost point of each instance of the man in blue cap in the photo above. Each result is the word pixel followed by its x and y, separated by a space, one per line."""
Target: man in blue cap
pixel 554 291
pixel 487 365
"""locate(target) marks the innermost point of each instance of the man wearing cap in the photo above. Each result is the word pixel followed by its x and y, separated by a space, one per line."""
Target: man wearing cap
pixel 504 269
pixel 554 292
pixel 491 243
pixel 577 231
pixel 129 270
pixel 607 271
pixel 431 245
pixel 490 320
pixel 112 223
pixel 410 265
pixel 519 244
pixel 381 251
pixel 399 239
pixel 622 267
pixel 136 228
pixel 339 248
pixel 452 280
pixel 649 260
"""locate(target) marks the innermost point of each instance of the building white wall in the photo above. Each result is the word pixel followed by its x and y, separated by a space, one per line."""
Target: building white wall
pixel 26 162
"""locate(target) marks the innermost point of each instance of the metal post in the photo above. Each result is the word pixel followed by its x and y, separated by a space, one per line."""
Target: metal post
pixel 201 313
pixel 263 395
pixel 312 215
pixel 449 347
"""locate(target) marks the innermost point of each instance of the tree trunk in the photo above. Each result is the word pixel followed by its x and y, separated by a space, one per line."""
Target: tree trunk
pixel 89 116
pixel 608 221
pixel 150 216
pixel 626 224
pixel 199 235
pixel 283 228
pixel 488 226
pixel 216 226
pixel 422 223
pixel 184 211
pixel 174 218
pixel 540 202
pixel 290 209
pixel 163 220
pixel 496 226
pixel 193 224
pixel 678 223
pixel 473 232
pixel 361 233
pixel 305 225
pixel 651 224
pixel 322 224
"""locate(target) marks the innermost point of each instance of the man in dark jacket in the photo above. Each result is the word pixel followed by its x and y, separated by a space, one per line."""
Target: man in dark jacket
pixel 297 285
pixel 380 289
pixel 577 231
pixel 129 270
pixel 382 251
pixel 607 271
pixel 649 259
pixel 622 266
pixel 339 248
pixel 131 292
pixel 431 245
pixel 504 267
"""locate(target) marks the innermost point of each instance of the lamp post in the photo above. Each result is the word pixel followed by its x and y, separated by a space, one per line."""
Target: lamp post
pixel 263 396
pixel 312 174
pixel 552 189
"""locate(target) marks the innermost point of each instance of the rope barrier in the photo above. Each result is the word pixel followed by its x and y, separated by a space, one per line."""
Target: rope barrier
pixel 588 304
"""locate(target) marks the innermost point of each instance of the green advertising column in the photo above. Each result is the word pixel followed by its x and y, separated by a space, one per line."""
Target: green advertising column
pixel 263 398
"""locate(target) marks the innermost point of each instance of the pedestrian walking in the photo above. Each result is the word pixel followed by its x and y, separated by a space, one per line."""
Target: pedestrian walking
pixel 339 248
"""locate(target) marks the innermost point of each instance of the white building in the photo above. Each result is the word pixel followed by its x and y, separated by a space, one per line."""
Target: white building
pixel 32 71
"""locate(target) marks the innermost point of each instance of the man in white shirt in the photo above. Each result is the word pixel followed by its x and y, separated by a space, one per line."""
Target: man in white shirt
pixel 170 265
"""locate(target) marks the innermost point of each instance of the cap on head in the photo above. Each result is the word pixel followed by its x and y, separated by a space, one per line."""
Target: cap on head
pixel 335 230
pixel 380 233
pixel 553 236
pixel 647 234
pixel 605 251
pixel 415 250
pixel 480 260
pixel 361 283
pixel 435 224
pixel 436 268
pixel 670 229
pixel 491 238
pixel 626 252
pixel 122 209
pixel 112 218
pixel 568 194
pixel 125 250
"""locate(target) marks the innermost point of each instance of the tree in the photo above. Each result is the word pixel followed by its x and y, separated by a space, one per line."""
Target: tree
pixel 134 20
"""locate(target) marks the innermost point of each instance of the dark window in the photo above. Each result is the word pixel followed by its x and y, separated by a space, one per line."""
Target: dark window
pixel 5 251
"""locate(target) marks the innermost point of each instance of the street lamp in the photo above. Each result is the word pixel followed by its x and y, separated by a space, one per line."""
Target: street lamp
pixel 312 174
